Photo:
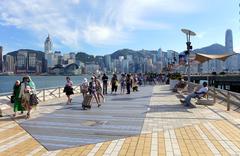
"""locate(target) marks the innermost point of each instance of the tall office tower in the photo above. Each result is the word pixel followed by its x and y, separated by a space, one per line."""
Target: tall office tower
pixel 48 45
pixel 108 62
pixel 229 41
pixel 229 49
pixel 1 62
pixel 9 63
pixel 49 56
pixel 159 54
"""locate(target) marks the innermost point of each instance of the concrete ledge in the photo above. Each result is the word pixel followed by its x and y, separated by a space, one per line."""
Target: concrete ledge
pixel 204 101
pixel 4 107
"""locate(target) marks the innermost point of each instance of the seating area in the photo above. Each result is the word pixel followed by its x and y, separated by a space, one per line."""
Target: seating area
pixel 206 99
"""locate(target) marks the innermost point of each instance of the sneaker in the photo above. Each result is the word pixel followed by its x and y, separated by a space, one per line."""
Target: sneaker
pixel 99 105
pixel 182 100
pixel 27 116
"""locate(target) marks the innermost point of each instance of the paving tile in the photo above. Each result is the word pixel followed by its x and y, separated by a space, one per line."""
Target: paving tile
pixel 168 129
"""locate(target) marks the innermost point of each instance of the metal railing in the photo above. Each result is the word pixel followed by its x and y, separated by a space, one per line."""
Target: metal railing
pixel 43 94
pixel 225 97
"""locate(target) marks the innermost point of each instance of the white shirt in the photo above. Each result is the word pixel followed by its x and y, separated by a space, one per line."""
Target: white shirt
pixel 203 90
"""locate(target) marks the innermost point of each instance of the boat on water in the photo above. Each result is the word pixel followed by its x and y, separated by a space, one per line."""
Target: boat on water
pixel 7 74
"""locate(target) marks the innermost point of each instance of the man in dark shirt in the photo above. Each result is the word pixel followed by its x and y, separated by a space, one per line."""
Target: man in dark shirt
pixel 105 83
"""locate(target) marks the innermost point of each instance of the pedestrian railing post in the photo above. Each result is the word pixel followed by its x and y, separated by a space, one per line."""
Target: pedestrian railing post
pixel 214 95
pixel 228 101
pixel 43 94
pixel 59 92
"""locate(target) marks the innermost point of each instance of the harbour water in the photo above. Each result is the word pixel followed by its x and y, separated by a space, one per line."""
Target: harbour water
pixel 7 82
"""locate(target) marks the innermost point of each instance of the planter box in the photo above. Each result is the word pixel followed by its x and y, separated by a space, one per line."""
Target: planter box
pixel 173 83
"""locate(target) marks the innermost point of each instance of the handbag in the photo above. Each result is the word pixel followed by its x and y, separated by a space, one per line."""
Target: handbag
pixel 33 100
pixel 12 99
pixel 65 89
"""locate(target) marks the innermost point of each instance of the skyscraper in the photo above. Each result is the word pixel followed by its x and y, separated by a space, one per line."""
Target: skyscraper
pixel 108 62
pixel 229 41
pixel 9 63
pixel 48 52
pixel 48 45
pixel 1 62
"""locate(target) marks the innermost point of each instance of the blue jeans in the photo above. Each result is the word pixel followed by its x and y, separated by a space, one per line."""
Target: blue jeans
pixel 188 98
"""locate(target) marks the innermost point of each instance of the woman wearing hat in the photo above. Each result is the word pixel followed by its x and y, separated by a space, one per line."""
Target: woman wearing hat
pixel 27 88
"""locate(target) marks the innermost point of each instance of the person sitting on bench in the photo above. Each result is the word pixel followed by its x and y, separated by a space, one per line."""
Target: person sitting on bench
pixel 200 93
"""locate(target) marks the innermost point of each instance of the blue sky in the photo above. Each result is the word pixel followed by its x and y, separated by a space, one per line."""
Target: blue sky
pixel 104 26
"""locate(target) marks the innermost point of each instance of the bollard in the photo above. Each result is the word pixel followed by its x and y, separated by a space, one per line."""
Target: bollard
pixel 228 101
pixel 43 94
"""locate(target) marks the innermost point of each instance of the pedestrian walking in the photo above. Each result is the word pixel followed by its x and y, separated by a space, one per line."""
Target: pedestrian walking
pixel 105 83
pixel 123 83
pixel 114 83
pixel 84 87
pixel 68 89
pixel 93 89
pixel 128 83
pixel 99 91
pixel 17 101
pixel 135 83
pixel 28 88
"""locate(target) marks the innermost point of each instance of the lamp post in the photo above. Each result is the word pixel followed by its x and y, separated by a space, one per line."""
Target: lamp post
pixel 188 34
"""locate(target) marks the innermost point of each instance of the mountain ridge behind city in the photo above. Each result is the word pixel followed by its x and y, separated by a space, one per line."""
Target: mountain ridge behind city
pixel 85 57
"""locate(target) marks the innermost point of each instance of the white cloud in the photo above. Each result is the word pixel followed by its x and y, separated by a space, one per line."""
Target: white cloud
pixel 102 22
pixel 201 35
pixel 237 49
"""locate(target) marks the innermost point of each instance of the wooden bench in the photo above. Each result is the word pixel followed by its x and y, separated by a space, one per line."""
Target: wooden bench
pixel 204 100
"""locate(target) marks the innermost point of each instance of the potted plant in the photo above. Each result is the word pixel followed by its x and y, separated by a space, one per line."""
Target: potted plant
pixel 174 78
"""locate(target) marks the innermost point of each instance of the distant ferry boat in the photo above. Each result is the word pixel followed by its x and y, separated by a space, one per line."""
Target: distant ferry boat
pixel 7 74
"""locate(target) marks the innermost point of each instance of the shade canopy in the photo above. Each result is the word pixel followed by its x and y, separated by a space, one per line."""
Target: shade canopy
pixel 188 32
pixel 205 57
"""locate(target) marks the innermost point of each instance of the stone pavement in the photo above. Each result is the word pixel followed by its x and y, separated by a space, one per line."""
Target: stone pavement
pixel 167 128
pixel 68 126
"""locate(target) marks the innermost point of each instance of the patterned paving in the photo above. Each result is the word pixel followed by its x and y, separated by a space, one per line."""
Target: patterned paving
pixel 177 131
pixel 210 138
pixel 68 126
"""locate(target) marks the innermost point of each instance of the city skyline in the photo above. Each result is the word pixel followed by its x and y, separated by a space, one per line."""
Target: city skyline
pixel 102 27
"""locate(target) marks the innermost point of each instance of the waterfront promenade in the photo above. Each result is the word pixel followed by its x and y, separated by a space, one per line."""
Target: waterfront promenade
pixel 149 122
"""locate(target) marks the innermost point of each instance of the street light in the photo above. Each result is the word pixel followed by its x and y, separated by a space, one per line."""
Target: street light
pixel 188 34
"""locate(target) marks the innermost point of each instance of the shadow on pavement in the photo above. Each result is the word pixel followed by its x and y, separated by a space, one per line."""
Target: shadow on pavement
pixel 168 108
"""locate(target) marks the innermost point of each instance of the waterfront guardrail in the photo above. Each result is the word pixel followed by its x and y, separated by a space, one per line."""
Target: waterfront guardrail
pixel 43 94
pixel 221 96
